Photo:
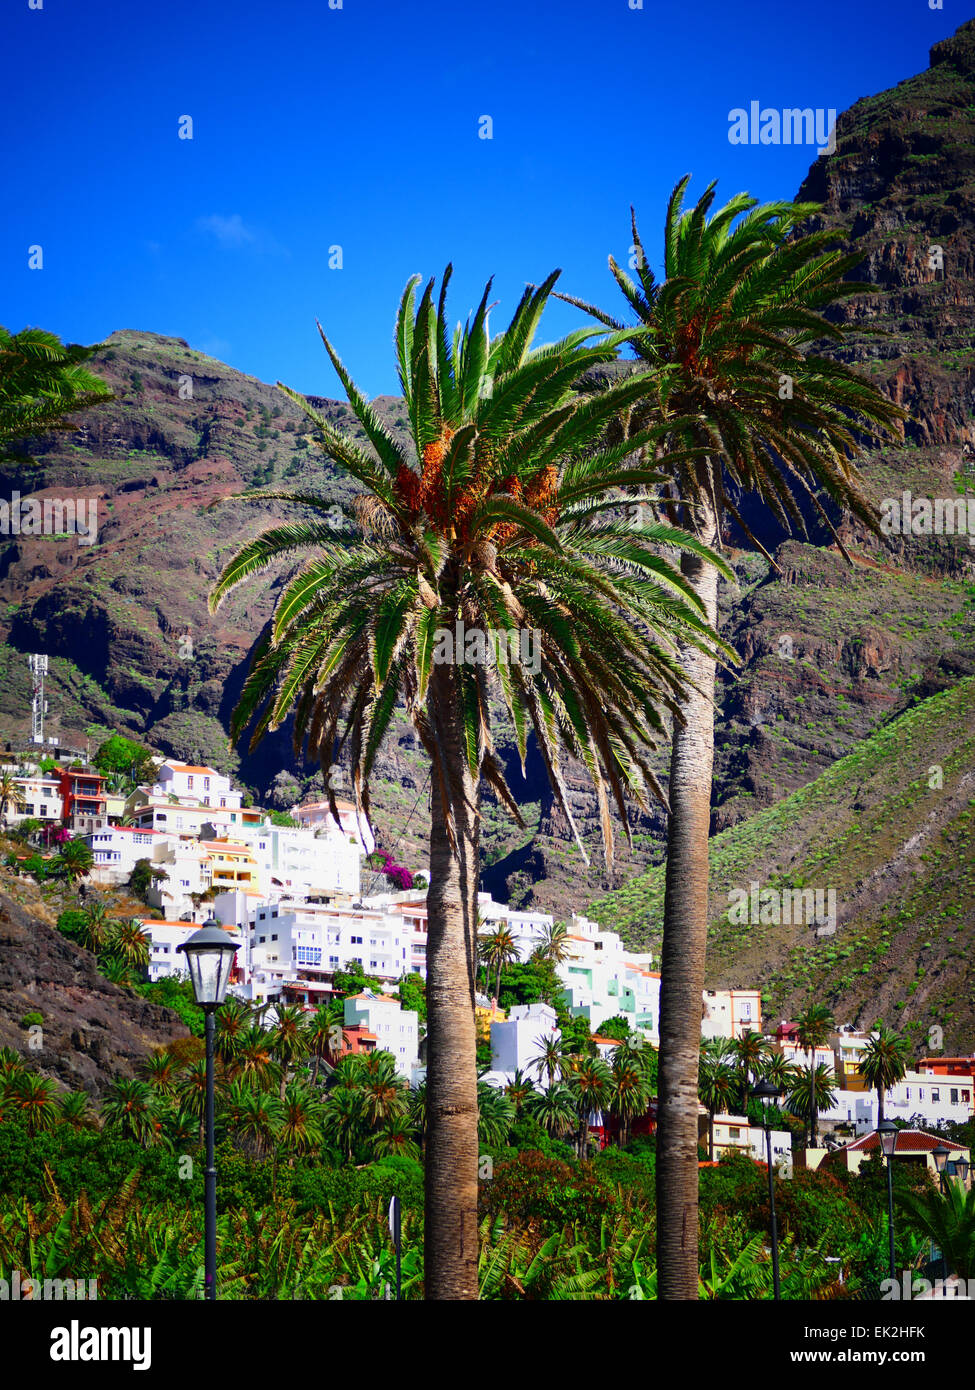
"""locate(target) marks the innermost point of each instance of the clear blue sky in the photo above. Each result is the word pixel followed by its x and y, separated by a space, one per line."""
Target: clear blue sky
pixel 359 127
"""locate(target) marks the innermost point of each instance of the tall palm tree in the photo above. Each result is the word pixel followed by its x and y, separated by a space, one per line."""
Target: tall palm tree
pixel 41 382
pixel 161 1071
pixel 590 1083
pixel 749 1053
pixel 813 1028
pixel 301 1128
pixel 258 1116
pixel 489 529
pixel 555 943
pixel 325 1033
pixel 884 1062
pixel 75 860
pixel 495 1115
pixel 290 1042
pixel 519 1089
pixel 730 329
pixel 253 1062
pixel 96 927
pixel 551 1060
pixel 232 1024
pixel 811 1092
pixel 11 794
pixel 718 1085
pixel 499 949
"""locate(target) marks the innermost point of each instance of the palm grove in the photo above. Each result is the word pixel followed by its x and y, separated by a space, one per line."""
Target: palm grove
pixel 508 515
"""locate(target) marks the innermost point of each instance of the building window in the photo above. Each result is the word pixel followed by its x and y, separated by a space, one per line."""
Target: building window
pixel 936 1097
pixel 954 1096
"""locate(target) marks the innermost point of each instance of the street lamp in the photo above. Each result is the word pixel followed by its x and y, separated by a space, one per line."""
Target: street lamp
pixel 962 1166
pixel 766 1092
pixel 940 1156
pixel 887 1134
pixel 209 955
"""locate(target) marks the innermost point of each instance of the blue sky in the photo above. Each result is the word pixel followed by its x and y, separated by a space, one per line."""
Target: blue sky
pixel 358 127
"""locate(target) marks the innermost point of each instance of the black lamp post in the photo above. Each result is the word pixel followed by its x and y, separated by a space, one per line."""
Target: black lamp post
pixel 767 1093
pixel 209 955
pixel 962 1166
pixel 887 1133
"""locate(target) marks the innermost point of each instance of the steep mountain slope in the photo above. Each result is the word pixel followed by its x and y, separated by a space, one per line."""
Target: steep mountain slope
pixel 889 830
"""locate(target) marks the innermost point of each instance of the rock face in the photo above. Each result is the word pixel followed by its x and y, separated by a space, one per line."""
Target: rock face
pixel 828 653
pixel 92 1032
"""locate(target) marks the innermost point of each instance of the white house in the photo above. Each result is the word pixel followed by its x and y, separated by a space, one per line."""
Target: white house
pixel 731 1013
pixel 317 815
pixel 921 1097
pixel 188 869
pixel 301 862
pixel 736 1134
pixel 42 799
pixel 116 849
pixel 516 1042
pixel 201 786
pixel 166 937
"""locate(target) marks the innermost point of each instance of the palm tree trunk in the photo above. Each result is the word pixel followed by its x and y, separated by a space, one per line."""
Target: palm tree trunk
pixel 711 1135
pixel 880 1105
pixel 682 958
pixel 450 1201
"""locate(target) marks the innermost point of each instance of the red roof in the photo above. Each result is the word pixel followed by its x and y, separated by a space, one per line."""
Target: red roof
pixel 908 1141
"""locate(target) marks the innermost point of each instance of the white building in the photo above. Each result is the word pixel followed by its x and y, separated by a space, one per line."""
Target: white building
pixel 394 1028
pixel 116 849
pixel 188 870
pixel 300 862
pixel 920 1097
pixel 731 1013
pixel 736 1134
pixel 165 958
pixel 294 949
pixel 198 786
pixel 517 1042
pixel 42 799
pixel 317 815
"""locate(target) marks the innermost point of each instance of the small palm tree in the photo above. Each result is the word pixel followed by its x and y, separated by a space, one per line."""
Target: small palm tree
pixel 884 1062
pixel 811 1092
pixel 254 1063
pixel 555 943
pixel 35 1099
pixel 749 1053
pixel 555 1110
pixel 495 1115
pixel 128 941
pixel 629 1093
pixel 131 1108
pixel 301 1129
pixel 519 1089
pixel 490 523
pixel 232 1023
pixel 397 1139
pixel 75 860
pixel 258 1116
pixel 499 949
pixel 95 927
pixel 161 1071
pixel 290 1041
pixel 77 1112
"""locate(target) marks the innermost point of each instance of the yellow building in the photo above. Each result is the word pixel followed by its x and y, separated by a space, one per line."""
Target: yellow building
pixel 232 865
pixel 486 1012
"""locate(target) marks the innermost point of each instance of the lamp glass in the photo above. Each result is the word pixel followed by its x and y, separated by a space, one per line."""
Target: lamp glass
pixel 940 1156
pixel 962 1166
pixel 888 1137
pixel 209 956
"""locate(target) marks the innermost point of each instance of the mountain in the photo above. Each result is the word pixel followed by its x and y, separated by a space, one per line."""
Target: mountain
pixel 863 646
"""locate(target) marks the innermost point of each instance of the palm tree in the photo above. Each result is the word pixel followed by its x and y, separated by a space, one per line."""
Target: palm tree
pixel 11 794
pixel 948 1221
pixel 590 1084
pixel 253 1062
pixel 777 1068
pixel 519 1089
pixel 749 1052
pixel 813 1028
pixel 128 941
pixel 131 1108
pixel 95 927
pixel 551 1061
pixel 75 860
pixel 258 1116
pixel 555 943
pixel 41 382
pixel 35 1099
pixel 718 1086
pixel 344 1117
pixel 232 1024
pixel 324 1029
pixel 397 1139
pixel 495 1115
pixel 629 1092
pixel 161 1071
pixel 498 950
pixel 554 1109
pixel 732 377
pixel 884 1062
pixel 385 1094
pixel 811 1093
pixel 290 1042
pixel 76 1111
pixel 490 527
pixel 118 971
pixel 301 1128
